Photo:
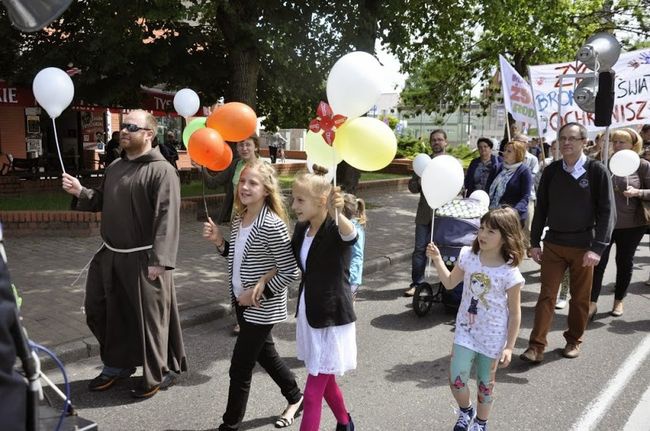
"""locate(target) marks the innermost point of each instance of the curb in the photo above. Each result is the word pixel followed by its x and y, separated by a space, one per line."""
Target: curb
pixel 88 347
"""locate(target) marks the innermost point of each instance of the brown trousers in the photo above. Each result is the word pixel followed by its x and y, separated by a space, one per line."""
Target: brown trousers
pixel 555 260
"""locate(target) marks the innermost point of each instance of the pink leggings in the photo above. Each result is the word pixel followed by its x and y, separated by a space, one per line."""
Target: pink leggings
pixel 317 387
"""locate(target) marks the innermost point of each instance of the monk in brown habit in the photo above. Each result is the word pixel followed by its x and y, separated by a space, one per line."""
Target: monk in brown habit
pixel 130 297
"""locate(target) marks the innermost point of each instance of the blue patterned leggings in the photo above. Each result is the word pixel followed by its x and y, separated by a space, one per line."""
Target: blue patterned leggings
pixel 462 360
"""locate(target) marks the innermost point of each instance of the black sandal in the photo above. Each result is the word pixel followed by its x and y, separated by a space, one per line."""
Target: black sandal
pixel 284 422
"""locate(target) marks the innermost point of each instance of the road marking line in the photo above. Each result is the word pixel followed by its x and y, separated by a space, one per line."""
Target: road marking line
pixel 640 418
pixel 598 407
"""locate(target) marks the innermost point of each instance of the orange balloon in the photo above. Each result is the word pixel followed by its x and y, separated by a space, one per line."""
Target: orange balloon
pixel 222 162
pixel 235 121
pixel 206 147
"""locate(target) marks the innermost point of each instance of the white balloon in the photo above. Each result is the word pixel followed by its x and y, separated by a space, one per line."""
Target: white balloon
pixel 624 163
pixel 329 175
pixel 481 196
pixel 354 84
pixel 186 102
pixel 420 162
pixel 442 180
pixel 53 90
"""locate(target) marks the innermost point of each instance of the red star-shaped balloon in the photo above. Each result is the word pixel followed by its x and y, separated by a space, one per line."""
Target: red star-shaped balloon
pixel 327 122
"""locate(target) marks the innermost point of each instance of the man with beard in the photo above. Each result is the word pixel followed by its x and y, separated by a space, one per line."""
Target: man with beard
pixel 130 297
pixel 438 142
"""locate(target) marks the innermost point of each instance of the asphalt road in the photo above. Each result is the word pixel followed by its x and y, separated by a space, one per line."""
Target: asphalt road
pixel 401 380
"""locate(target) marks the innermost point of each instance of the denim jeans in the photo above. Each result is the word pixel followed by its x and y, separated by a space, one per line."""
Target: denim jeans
pixel 419 257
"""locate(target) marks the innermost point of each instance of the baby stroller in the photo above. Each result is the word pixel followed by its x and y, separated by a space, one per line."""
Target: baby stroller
pixel 20 388
pixel 455 226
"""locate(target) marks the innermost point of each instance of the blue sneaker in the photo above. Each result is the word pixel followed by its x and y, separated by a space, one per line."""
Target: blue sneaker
pixel 464 419
pixel 476 426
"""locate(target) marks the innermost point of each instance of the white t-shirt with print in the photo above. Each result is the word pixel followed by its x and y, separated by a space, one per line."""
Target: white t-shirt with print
pixel 482 319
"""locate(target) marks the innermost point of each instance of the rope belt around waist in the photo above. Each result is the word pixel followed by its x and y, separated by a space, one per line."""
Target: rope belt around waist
pixel 128 250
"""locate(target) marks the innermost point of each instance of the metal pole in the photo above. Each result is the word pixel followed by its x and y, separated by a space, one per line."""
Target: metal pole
pixel 539 129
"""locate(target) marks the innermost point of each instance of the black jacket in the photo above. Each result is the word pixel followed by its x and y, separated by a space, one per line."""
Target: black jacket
pixel 326 280
pixel 13 390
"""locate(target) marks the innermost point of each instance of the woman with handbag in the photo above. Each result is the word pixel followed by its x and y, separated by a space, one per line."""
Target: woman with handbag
pixel 632 200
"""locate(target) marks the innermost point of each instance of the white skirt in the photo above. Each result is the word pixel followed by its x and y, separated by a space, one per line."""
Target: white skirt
pixel 331 350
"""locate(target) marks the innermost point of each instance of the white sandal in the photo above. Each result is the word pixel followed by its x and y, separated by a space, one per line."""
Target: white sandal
pixel 284 421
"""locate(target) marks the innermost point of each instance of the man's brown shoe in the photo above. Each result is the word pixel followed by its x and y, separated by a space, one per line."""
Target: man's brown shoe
pixel 104 382
pixel 531 355
pixel 571 351
pixel 168 380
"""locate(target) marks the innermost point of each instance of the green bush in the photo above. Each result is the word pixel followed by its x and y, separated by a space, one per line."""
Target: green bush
pixel 391 121
pixel 409 146
pixel 463 153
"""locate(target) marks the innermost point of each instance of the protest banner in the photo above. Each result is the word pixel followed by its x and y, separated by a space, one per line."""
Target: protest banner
pixel 632 101
pixel 517 95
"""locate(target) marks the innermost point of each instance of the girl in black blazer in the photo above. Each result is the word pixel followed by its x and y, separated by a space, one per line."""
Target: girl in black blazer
pixel 261 266
pixel 325 329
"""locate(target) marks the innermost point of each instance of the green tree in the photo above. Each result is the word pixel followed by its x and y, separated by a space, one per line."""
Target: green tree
pixel 456 44
pixel 273 55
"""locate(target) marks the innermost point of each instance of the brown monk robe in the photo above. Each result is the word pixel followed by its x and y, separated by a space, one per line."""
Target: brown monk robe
pixel 135 319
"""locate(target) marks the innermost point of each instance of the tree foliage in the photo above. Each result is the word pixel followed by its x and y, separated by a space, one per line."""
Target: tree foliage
pixel 271 54
pixel 455 44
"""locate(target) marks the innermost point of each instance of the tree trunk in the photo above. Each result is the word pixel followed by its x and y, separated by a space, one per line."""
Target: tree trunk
pixel 244 73
pixel 233 18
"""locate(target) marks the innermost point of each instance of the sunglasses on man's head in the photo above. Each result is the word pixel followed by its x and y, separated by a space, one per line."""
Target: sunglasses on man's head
pixel 132 128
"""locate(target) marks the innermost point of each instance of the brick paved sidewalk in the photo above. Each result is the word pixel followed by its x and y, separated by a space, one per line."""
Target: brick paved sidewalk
pixel 44 269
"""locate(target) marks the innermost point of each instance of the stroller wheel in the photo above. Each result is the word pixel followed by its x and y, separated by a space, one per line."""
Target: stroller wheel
pixel 422 299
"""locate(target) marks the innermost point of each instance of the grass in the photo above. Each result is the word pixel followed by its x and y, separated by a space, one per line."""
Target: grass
pixel 60 201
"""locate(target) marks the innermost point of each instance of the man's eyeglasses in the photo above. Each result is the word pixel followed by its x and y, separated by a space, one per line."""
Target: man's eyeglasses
pixel 132 128
pixel 570 139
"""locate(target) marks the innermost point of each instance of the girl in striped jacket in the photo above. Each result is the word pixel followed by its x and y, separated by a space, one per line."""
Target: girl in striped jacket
pixel 261 266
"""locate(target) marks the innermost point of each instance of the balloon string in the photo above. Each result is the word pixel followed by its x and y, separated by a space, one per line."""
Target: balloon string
pixel 336 210
pixel 430 264
pixel 58 149
pixel 205 203
pixel 627 185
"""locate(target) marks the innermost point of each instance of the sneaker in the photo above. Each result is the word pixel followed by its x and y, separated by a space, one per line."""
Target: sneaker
pixel 104 382
pixel 464 419
pixel 560 304
pixel 478 427
pixel 410 291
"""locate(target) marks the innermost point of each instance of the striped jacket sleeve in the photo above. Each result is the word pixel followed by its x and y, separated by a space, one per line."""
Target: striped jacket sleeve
pixel 279 246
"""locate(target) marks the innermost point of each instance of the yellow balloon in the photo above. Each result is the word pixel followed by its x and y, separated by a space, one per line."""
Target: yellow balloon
pixel 319 152
pixel 366 143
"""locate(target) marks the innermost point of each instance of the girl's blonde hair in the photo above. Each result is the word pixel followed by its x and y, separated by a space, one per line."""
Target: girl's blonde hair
pixel 629 135
pixel 315 184
pixel 506 219
pixel 354 207
pixel 271 185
